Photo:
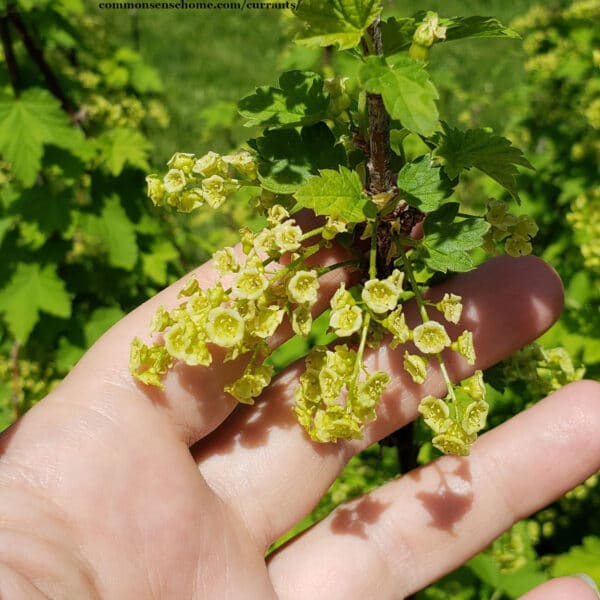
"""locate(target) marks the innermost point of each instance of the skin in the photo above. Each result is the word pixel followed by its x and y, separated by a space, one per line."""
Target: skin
pixel 110 489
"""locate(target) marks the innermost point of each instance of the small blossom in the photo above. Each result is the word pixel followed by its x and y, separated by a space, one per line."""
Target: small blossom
pixel 277 214
pixel 190 200
pixel 226 261
pixel 303 287
pixel 451 444
pixel 267 321
pixel 301 321
pixel 451 306
pixel 416 367
pixel 191 287
pixel 225 327
pixel 288 236
pixel 464 346
pixel 243 162
pixel 182 161
pixel 249 284
pixel 395 323
pixel 341 298
pixel 380 295
pixel 210 164
pixel 430 337
pixel 436 413
pixel 214 190
pixel 161 320
pixel 346 320
pixel 475 417
pixel 496 212
pixel 156 189
pixel 429 30
pixel 333 227
pixel 518 246
pixel 251 384
pixel 474 386
pixel 174 181
pixel 184 342
pixel 149 363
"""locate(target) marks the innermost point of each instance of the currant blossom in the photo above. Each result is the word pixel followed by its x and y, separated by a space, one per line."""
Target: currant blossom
pixel 451 306
pixel 174 181
pixel 225 327
pixel 416 367
pixel 430 337
pixel 346 320
pixel 303 287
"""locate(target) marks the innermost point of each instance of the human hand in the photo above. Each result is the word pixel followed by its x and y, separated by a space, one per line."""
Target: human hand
pixel 113 490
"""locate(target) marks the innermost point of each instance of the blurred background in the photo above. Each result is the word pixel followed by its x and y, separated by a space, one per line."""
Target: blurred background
pixel 93 100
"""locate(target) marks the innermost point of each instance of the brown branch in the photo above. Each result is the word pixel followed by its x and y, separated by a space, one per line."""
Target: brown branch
pixel 37 56
pixel 9 55
pixel 381 178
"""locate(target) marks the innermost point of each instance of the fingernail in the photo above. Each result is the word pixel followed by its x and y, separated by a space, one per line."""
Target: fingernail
pixel 587 579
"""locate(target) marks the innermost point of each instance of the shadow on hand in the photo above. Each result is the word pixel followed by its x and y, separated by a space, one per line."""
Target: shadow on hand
pixel 354 518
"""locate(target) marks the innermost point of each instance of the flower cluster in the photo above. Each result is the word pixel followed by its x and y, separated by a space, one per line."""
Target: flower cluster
pixel 191 182
pixel 458 417
pixel 516 231
pixel 239 319
pixel 331 402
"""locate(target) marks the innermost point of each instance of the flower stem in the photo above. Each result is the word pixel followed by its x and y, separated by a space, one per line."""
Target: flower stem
pixel 421 303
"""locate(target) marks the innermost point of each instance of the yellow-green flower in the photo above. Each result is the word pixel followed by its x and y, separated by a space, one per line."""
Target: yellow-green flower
pixel 475 417
pixel 464 346
pixel 243 162
pixel 210 164
pixel 451 306
pixel 226 261
pixel 225 327
pixel 474 386
pixel 303 287
pixel 182 161
pixel 380 295
pixel 156 189
pixel 345 321
pixel 174 181
pixel 416 367
pixel 249 284
pixel 301 320
pixel 287 236
pixel 430 337
pixel 436 413
pixel 395 323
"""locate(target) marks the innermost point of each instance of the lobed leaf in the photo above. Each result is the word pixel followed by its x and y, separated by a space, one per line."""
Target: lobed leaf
pixel 337 194
pixel 446 240
pixel 340 23
pixel 30 122
pixel 492 154
pixel 122 146
pixel 288 158
pixel 424 185
pixel 33 289
pixel 477 27
pixel 408 93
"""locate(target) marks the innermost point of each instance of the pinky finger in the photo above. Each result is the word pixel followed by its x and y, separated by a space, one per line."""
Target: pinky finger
pixel 573 588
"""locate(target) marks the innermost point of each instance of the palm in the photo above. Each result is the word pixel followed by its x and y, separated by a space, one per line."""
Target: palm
pixel 102 495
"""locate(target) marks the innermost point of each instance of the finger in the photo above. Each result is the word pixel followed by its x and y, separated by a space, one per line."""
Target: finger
pixel 269 469
pixel 412 531
pixel 193 400
pixel 571 588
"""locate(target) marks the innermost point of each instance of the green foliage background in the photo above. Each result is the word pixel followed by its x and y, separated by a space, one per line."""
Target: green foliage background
pixel 81 245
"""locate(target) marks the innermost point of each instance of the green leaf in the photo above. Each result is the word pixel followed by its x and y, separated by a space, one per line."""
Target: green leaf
pixel 101 319
pixel 492 154
pixel 112 232
pixel 338 194
pixel 154 263
pixel 338 23
pixel 397 34
pixel 30 122
pixel 476 27
pixel 33 289
pixel 119 234
pixel 287 158
pixel 446 240
pixel 423 185
pixel 408 93
pixel 300 100
pixel 580 559
pixel 121 146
